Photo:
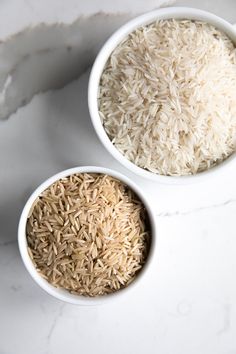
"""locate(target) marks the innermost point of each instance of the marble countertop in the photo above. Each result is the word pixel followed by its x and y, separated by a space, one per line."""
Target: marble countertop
pixel 188 303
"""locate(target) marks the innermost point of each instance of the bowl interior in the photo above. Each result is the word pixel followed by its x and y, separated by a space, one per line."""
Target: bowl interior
pixel 98 67
pixel 64 294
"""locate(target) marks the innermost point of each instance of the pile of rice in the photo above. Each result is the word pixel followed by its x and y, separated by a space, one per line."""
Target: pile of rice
pixel 88 233
pixel 167 97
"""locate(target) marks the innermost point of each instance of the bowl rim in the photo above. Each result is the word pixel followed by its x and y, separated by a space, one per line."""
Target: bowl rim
pixel 97 69
pixel 63 294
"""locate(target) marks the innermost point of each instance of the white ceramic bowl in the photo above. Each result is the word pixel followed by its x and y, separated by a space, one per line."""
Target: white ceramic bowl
pixel 63 294
pixel 97 69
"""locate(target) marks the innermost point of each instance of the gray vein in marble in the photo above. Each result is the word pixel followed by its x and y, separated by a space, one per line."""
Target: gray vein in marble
pixel 184 308
pixel 196 210
pixel 163 214
pixel 7 243
pixel 53 325
pixel 227 320
pixel 48 57
pixel 15 288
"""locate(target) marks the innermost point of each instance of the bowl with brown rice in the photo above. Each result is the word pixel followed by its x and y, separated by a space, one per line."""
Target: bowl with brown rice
pixel 162 95
pixel 87 235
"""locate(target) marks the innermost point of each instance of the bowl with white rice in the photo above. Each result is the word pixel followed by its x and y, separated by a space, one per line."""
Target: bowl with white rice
pixel 87 235
pixel 162 95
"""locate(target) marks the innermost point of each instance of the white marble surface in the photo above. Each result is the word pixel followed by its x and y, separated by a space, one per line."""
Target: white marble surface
pixel 48 46
pixel 188 303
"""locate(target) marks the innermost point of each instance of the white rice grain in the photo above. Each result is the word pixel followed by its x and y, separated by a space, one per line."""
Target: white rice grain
pixel 167 97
